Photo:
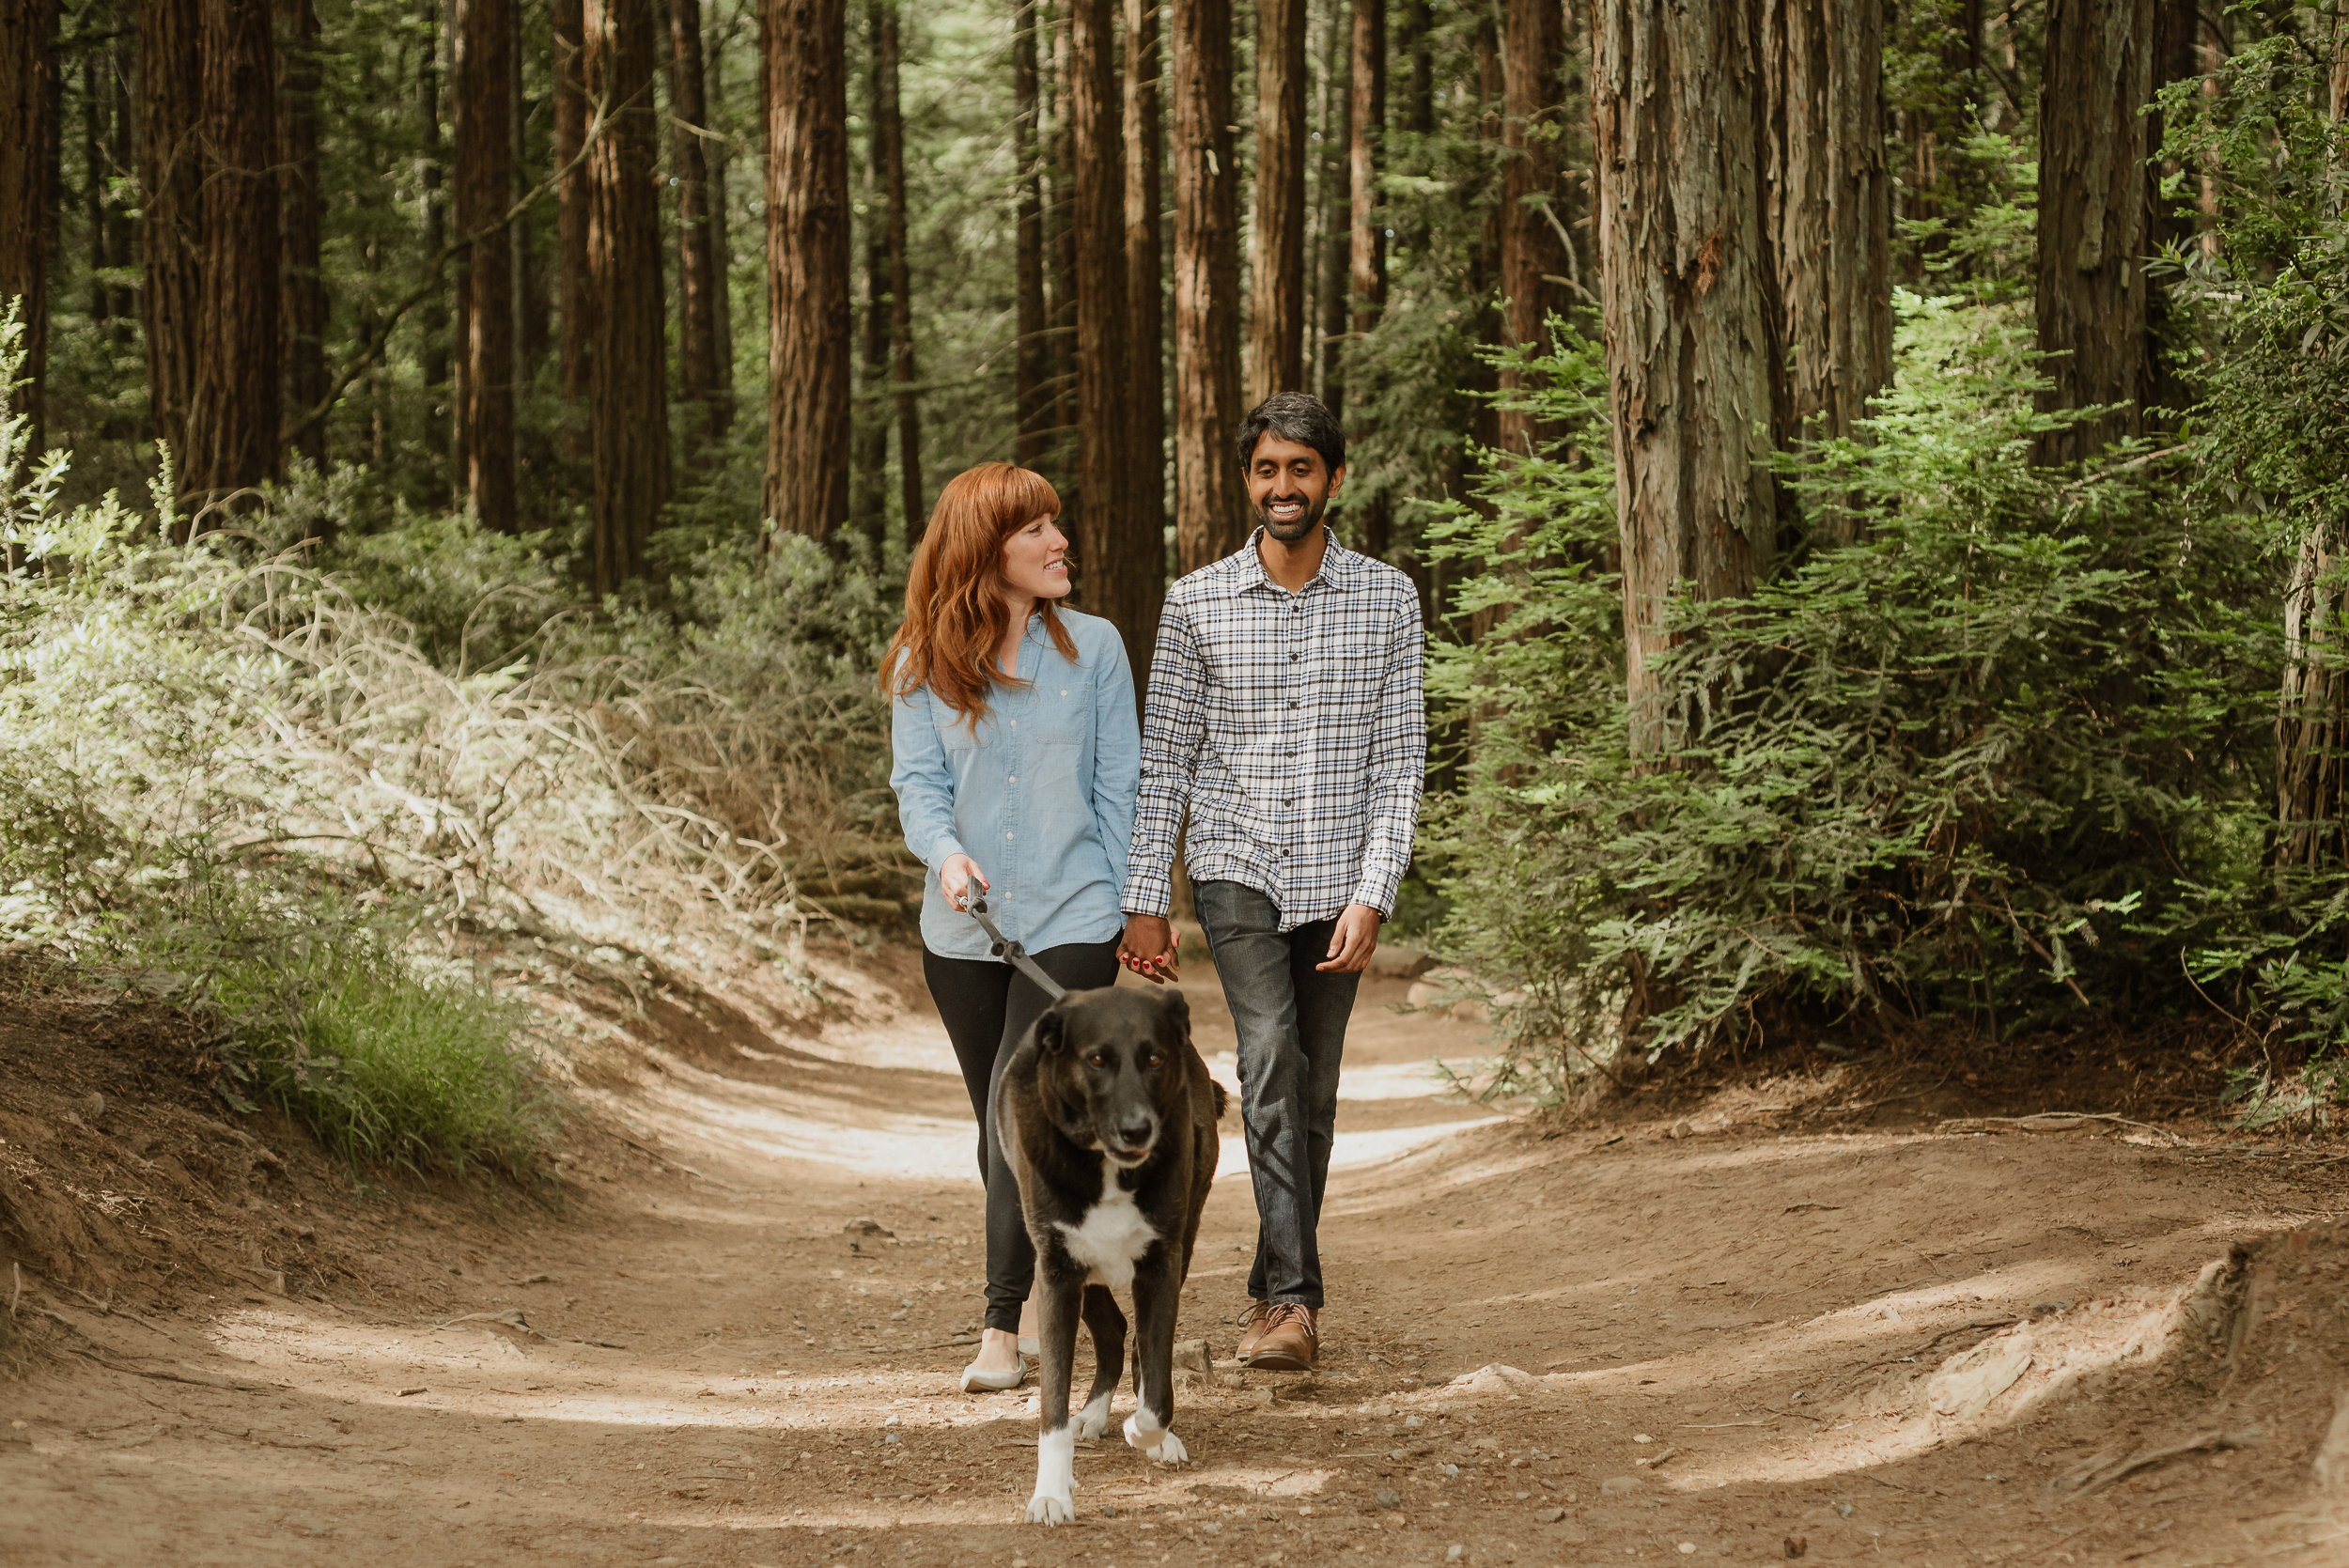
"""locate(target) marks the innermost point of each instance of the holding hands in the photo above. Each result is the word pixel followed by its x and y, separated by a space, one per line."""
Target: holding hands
pixel 1149 949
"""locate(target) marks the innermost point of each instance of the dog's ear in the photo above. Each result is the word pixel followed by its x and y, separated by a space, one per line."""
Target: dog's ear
pixel 1051 1031
pixel 1177 1009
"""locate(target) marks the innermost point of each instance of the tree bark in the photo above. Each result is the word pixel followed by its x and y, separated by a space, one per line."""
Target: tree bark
pixel 627 379
pixel 1366 255
pixel 1828 208
pixel 902 371
pixel 1032 403
pixel 701 265
pixel 1145 287
pixel 575 296
pixel 1684 283
pixel 171 220
pixel 27 129
pixel 1276 327
pixel 303 308
pixel 1336 202
pixel 482 92
pixel 234 417
pixel 432 316
pixel 1210 507
pixel 805 54
pixel 1116 568
pixel 2094 219
pixel 1060 237
pixel 868 492
pixel 1532 246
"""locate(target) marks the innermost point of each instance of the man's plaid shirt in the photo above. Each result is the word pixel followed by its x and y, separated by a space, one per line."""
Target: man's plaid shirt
pixel 1293 726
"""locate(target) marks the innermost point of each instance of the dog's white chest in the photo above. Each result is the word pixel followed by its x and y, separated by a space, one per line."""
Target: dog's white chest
pixel 1112 1237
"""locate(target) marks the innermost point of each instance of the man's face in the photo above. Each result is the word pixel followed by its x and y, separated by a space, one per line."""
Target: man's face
pixel 1289 488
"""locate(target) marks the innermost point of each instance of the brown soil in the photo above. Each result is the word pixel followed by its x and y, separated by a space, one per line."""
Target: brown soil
pixel 1716 1328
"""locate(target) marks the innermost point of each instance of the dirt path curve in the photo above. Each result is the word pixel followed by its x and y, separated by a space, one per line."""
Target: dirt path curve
pixel 1707 1347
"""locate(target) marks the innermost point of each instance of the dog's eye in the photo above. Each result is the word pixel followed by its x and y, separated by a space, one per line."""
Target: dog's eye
pixel 1097 1060
pixel 1154 1060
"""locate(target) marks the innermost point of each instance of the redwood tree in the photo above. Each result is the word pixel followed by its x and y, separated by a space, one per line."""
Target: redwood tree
pixel 1145 288
pixel 482 82
pixel 704 362
pixel 1532 240
pixel 1276 329
pixel 1676 111
pixel 1827 210
pixel 1210 506
pixel 2095 218
pixel 302 308
pixel 575 299
pixel 1032 409
pixel 232 419
pixel 171 182
pixel 1366 253
pixel 805 47
pixel 901 366
pixel 25 26
pixel 1116 568
pixel 628 377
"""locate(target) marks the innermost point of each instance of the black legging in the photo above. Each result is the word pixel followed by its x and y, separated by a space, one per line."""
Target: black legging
pixel 987 1007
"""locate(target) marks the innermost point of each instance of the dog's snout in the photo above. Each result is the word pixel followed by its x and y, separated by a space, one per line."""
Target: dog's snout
pixel 1135 1134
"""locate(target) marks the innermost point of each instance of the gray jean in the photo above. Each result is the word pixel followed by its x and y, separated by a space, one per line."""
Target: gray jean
pixel 1291 1021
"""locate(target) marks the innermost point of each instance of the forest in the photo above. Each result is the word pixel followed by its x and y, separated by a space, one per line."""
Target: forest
pixel 1874 471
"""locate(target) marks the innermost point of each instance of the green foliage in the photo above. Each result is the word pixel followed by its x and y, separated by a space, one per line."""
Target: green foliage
pixel 1969 764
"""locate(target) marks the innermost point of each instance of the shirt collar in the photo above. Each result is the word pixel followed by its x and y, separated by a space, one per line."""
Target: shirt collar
pixel 1340 566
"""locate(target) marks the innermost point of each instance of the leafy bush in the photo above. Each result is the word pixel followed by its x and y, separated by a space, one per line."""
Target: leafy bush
pixel 1977 764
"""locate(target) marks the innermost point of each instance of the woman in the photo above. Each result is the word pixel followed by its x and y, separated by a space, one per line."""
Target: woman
pixel 1017 753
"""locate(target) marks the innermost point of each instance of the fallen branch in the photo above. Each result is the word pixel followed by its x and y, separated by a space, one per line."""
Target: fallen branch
pixel 2052 1121
pixel 2207 1442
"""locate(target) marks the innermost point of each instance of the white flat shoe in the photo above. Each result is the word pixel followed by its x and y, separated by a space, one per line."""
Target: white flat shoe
pixel 977 1382
pixel 1028 1345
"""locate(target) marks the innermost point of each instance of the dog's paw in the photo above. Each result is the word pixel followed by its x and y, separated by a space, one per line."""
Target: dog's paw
pixel 1156 1442
pixel 1093 1419
pixel 1170 1450
pixel 1046 1509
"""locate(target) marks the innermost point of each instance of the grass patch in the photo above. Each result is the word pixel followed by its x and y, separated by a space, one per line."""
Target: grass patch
pixel 390 1064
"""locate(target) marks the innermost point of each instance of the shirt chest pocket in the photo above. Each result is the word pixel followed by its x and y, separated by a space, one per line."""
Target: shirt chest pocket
pixel 1348 661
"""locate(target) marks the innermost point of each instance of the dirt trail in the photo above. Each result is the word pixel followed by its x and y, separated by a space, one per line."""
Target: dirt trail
pixel 1710 1345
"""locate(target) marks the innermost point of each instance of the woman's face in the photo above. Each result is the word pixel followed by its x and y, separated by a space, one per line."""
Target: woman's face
pixel 1036 564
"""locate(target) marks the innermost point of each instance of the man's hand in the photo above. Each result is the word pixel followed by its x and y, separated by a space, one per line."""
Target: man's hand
pixel 1352 943
pixel 955 873
pixel 1148 949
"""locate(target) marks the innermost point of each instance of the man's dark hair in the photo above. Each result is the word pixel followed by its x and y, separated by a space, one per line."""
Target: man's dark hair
pixel 1296 416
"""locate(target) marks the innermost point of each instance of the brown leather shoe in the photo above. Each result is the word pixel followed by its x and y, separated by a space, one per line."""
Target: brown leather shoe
pixel 1289 1341
pixel 1252 1319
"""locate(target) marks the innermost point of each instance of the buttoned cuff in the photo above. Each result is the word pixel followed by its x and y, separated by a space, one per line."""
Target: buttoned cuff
pixel 944 845
pixel 1148 894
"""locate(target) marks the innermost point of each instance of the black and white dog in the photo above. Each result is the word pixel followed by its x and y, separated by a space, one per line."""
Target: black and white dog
pixel 1107 1115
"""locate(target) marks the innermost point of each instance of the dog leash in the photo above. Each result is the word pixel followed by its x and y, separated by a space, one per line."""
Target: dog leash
pixel 1013 953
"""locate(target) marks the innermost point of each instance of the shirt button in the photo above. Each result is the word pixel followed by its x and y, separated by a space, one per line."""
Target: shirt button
pixel 1295 656
pixel 1006 836
pixel 1015 724
pixel 1013 779
pixel 1063 691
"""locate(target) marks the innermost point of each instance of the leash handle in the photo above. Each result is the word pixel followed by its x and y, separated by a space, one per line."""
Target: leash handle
pixel 1011 952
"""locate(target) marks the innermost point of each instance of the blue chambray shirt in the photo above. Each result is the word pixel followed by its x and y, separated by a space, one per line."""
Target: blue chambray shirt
pixel 1041 795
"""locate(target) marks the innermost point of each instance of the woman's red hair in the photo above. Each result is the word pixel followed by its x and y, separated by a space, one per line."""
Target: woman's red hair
pixel 956 616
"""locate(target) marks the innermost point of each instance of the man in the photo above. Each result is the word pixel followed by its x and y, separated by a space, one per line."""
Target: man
pixel 1286 712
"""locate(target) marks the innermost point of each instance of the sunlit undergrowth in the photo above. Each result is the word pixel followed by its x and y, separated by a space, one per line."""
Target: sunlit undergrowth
pixel 226 778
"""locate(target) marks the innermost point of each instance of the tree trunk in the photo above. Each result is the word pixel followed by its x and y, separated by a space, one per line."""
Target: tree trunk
pixel 26 129
pixel 701 267
pixel 868 493
pixel 1145 287
pixel 1117 569
pixel 1060 232
pixel 1827 211
pixel 532 324
pixel 1032 401
pixel 122 252
pixel 171 220
pixel 482 93
pixel 1366 255
pixel 2094 219
pixel 1532 242
pixel 893 127
pixel 233 420
pixel 1276 326
pixel 575 297
pixel 1676 111
pixel 432 316
pixel 628 379
pixel 1210 507
pixel 303 308
pixel 1336 202
pixel 805 51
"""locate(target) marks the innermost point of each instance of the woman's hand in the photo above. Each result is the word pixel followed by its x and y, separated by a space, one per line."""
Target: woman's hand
pixel 955 876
